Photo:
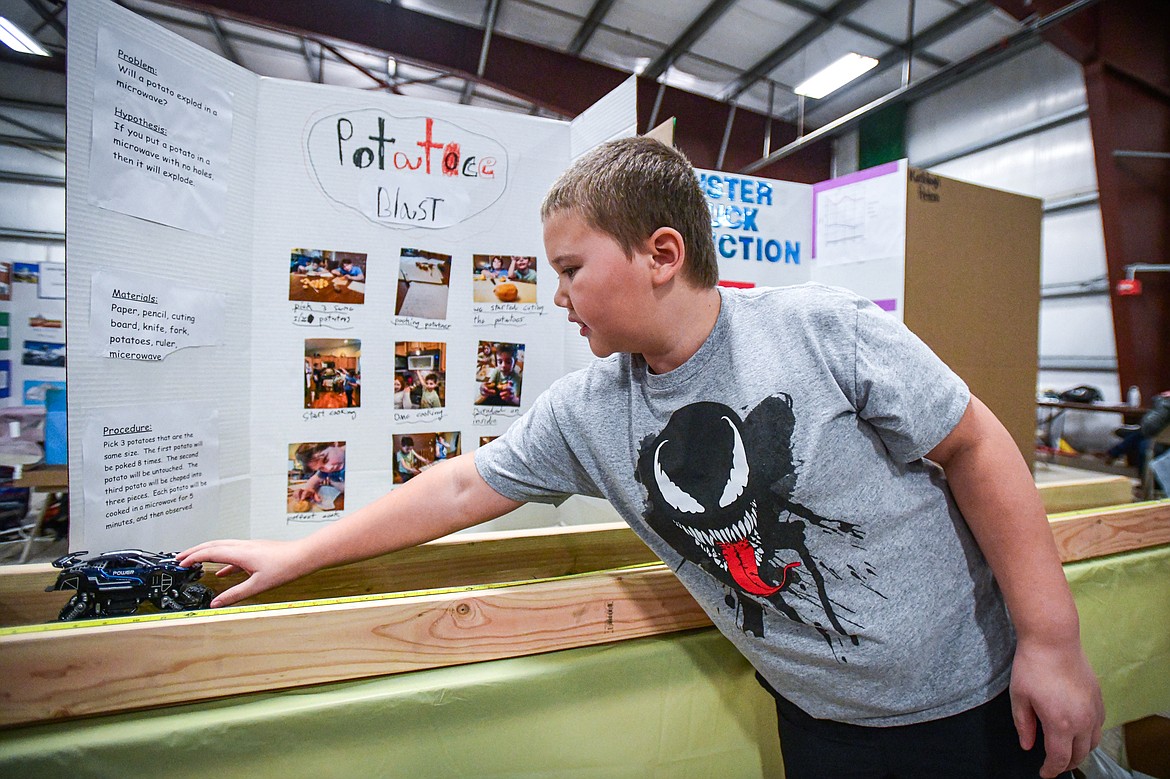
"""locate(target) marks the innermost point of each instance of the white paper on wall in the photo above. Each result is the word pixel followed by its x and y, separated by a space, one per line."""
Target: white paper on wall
pixel 151 476
pixel 137 317
pixel 161 136
pixel 860 234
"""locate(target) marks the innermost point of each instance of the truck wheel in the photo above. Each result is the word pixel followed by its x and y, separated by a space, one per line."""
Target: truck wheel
pixel 78 607
pixel 195 596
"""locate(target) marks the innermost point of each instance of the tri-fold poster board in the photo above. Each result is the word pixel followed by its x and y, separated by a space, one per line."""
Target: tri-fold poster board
pixel 286 299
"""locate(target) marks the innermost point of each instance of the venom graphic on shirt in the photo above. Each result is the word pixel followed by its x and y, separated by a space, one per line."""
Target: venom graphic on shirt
pixel 720 492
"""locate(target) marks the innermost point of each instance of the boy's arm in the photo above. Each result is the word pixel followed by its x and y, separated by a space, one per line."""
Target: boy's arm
pixel 448 497
pixel 1051 678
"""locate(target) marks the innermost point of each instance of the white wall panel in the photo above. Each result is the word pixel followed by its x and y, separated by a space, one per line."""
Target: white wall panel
pixel 1076 327
pixel 1051 164
pixel 1072 247
pixel 32 207
pixel 1037 83
pixel 22 251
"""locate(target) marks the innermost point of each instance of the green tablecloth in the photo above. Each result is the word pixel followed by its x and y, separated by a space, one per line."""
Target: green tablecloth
pixel 684 705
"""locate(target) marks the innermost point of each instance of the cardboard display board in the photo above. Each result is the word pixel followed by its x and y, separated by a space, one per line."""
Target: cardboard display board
pixel 287 299
pixel 973 290
pixel 957 262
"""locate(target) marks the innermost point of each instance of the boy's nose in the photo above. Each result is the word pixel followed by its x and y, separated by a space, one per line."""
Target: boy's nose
pixel 561 296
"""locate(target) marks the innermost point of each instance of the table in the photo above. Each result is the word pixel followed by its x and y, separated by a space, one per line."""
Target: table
pixel 53 479
pixel 484 292
pixel 1051 423
pixel 350 292
pixel 680 705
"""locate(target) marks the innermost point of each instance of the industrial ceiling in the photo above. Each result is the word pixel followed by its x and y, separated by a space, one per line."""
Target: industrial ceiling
pixel 737 60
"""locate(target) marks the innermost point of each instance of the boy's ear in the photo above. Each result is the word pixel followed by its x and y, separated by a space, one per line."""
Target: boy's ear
pixel 667 252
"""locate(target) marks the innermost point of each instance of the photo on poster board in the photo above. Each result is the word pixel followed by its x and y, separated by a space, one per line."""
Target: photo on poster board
pixel 333 373
pixel 415 452
pixel 5 281
pixel 43 354
pixel 424 282
pixel 35 391
pixel 500 373
pixel 420 374
pixel 45 322
pixel 316 477
pixel 326 276
pixel 28 272
pixel 499 278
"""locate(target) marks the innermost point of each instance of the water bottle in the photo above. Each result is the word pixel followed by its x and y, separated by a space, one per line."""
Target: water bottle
pixel 1134 396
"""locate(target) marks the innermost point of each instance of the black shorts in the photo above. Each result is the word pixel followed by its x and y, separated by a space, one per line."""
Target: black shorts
pixel 980 743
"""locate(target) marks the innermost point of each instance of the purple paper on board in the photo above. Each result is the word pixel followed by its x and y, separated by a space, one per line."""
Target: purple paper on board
pixel 851 178
pixel 888 304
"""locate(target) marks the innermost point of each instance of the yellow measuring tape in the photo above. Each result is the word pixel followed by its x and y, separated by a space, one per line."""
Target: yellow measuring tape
pixel 133 619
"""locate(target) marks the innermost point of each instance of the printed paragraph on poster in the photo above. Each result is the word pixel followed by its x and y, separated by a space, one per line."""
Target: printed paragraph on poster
pixel 161 136
pixel 136 317
pixel 148 471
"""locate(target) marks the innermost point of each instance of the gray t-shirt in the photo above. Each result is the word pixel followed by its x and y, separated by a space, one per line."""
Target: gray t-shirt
pixel 780 473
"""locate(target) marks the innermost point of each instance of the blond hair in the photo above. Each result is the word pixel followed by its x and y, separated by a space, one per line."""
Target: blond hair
pixel 630 187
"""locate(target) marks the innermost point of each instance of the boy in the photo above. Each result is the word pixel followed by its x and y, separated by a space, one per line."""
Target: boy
pixel 502 387
pixel 409 462
pixel 430 394
pixel 802 503
pixel 521 270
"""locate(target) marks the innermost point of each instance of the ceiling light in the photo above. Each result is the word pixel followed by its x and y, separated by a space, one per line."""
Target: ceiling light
pixel 18 40
pixel 835 76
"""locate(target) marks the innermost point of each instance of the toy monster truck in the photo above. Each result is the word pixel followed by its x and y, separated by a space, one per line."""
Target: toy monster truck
pixel 115 583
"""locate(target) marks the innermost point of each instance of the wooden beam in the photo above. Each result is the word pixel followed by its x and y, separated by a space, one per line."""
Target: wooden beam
pixel 1100 532
pixel 69 670
pixel 456 561
pixel 78 671
pixel 1079 494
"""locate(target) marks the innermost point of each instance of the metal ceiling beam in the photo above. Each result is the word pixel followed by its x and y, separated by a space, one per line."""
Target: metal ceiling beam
pixel 49 17
pixel 31 105
pixel 489 26
pixel 809 33
pixel 28 128
pixel 31 236
pixel 1009 47
pixel 36 179
pixel 696 30
pixel 221 38
pixel 589 26
pixel 557 82
pixel 313 62
pixel 861 29
pixel 897 55
pixel 32 144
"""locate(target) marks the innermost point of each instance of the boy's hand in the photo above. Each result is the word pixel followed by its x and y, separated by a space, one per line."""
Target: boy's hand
pixel 1056 685
pixel 267 564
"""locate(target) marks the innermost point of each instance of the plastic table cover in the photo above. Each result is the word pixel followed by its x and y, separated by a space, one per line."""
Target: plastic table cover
pixel 682 705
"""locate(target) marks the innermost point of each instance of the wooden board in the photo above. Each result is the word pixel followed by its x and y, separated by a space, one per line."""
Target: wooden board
pixel 80 671
pixel 83 670
pixel 481 558
pixel 1078 494
pixel 1095 533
